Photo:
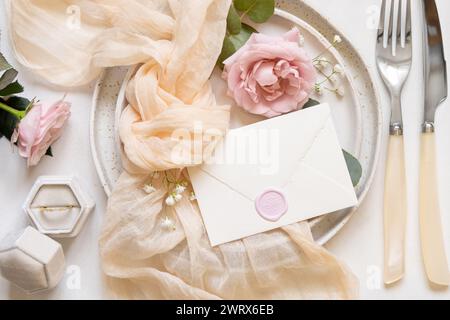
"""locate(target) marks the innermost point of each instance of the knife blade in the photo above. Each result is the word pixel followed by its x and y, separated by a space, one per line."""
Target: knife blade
pixel 434 62
pixel 435 78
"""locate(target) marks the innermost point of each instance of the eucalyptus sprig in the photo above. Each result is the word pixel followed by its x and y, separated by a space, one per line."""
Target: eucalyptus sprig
pixel 12 108
pixel 238 32
pixel 8 83
pixel 258 11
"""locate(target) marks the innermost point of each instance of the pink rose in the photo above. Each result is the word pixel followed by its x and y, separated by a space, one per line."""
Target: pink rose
pixel 269 75
pixel 39 129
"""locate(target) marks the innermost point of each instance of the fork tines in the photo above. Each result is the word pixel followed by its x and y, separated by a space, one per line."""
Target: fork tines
pixel 395 24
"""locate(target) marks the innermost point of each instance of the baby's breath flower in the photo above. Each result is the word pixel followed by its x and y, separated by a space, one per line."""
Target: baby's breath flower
pixel 301 41
pixel 192 197
pixel 340 91
pixel 318 89
pixel 338 69
pixel 321 62
pixel 179 189
pixel 337 39
pixel 170 201
pixel 149 188
pixel 177 197
pixel 168 224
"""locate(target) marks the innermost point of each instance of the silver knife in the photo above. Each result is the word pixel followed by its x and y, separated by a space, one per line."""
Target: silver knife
pixel 435 76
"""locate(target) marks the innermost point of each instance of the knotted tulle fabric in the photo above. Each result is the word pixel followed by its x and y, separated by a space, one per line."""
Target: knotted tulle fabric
pixel 177 43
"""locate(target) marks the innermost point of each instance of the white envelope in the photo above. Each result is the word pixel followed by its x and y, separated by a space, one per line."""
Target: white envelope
pixel 297 156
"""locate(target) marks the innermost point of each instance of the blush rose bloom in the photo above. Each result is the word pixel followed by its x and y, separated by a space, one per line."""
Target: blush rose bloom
pixel 270 76
pixel 39 129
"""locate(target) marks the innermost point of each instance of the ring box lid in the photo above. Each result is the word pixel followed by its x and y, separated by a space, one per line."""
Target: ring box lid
pixel 35 263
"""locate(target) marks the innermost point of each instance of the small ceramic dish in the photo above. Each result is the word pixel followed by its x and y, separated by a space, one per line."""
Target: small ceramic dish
pixel 357 115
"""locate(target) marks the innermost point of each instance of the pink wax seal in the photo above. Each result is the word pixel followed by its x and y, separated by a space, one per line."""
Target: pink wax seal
pixel 271 205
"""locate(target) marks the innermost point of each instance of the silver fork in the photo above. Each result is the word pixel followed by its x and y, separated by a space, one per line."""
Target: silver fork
pixel 394 58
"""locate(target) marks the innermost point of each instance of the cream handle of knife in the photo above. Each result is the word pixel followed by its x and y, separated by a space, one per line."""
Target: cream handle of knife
pixel 395 209
pixel 433 248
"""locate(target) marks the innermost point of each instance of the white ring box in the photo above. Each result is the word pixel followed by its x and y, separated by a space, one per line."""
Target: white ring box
pixel 58 206
pixel 35 262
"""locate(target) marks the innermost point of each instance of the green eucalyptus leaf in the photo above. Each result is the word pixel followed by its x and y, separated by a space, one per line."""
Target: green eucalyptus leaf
pixel 227 51
pixel 234 24
pixel 4 64
pixel 258 11
pixel 7 78
pixel 7 86
pixel 354 168
pixel 232 43
pixel 311 103
pixel 13 88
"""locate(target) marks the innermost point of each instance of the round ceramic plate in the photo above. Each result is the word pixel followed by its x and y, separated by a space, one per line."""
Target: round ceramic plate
pixel 357 116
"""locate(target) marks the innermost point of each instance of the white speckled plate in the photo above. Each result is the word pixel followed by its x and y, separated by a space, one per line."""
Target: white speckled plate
pixel 357 116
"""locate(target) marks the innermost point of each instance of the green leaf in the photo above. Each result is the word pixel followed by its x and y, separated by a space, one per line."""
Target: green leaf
pixel 8 123
pixel 49 152
pixel 227 51
pixel 311 103
pixel 18 103
pixel 232 43
pixel 7 86
pixel 234 24
pixel 13 88
pixel 258 11
pixel 7 78
pixel 354 167
pixel 4 64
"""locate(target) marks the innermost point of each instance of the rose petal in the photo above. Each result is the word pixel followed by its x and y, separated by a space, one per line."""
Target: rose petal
pixel 264 74
pixel 292 35
pixel 29 130
pixel 40 128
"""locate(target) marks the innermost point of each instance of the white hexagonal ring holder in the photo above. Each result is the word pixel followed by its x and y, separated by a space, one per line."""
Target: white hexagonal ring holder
pixel 34 263
pixel 58 206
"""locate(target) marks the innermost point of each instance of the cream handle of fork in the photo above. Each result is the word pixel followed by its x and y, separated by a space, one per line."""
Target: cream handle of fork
pixel 395 208
pixel 433 247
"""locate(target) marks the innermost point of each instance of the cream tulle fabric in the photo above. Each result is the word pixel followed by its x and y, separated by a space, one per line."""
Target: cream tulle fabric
pixel 178 42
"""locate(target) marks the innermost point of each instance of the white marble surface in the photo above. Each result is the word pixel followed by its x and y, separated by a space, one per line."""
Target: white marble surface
pixel 360 243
